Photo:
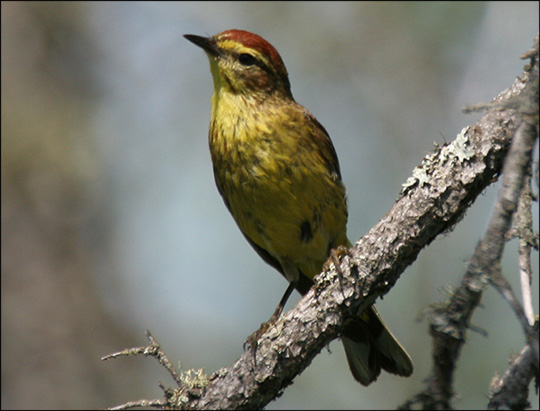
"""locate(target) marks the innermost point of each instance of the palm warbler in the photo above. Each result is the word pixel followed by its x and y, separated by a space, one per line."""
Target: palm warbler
pixel 278 173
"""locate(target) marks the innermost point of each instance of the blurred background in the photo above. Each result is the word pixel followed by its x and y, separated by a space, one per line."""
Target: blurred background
pixel 111 222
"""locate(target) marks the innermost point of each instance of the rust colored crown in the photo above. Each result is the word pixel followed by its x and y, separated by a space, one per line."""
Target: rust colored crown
pixel 255 42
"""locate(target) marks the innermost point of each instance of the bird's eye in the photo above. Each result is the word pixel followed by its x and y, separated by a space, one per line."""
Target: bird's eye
pixel 246 59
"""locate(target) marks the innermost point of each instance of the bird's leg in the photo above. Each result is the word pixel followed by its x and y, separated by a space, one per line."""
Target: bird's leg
pixel 252 340
pixel 335 257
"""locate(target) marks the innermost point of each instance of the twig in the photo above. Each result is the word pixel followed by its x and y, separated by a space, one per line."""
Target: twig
pixel 152 350
pixel 527 241
pixel 515 172
pixel 510 391
pixel 141 403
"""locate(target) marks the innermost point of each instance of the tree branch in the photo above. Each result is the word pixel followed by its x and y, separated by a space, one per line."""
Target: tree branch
pixel 511 390
pixel 449 322
pixel 432 201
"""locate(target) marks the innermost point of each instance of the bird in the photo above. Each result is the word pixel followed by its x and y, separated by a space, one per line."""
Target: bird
pixel 278 173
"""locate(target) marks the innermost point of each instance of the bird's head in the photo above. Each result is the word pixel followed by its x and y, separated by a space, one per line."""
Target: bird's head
pixel 244 63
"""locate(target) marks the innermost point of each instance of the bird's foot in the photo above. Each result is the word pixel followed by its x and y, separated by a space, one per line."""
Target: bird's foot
pixel 253 340
pixel 335 257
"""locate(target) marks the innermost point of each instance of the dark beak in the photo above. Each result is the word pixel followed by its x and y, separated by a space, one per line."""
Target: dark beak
pixel 208 44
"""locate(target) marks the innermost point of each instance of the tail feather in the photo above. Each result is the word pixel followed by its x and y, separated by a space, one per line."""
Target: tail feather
pixel 370 346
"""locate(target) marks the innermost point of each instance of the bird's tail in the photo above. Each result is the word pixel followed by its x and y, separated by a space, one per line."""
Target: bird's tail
pixel 370 346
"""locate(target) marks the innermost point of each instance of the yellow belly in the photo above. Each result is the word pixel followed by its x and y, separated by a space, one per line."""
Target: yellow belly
pixel 283 198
